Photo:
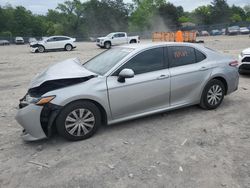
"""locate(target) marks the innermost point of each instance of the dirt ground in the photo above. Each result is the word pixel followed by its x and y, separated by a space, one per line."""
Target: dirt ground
pixel 187 148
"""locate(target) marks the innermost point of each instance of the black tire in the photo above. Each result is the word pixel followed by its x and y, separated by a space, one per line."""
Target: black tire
pixel 68 47
pixel 211 100
pixel 65 128
pixel 132 41
pixel 40 49
pixel 107 45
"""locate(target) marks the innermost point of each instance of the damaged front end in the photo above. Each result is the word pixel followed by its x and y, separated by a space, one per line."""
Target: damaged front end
pixel 37 113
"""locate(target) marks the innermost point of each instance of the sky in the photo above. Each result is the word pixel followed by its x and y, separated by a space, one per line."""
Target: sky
pixel 42 6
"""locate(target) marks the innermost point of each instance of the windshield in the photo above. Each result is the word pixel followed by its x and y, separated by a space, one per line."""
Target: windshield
pixel 106 60
pixel 110 35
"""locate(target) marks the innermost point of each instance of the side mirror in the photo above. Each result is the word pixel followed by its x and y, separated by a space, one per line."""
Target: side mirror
pixel 112 37
pixel 125 73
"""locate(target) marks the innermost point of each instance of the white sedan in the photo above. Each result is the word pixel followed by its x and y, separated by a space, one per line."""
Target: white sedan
pixel 53 43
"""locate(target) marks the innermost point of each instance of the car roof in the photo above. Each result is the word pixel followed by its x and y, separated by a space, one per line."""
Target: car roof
pixel 141 46
pixel 59 36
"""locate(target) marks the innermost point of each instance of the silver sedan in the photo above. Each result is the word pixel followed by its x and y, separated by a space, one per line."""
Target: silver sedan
pixel 124 83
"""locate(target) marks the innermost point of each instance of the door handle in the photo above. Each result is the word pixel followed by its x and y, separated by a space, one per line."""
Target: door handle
pixel 203 68
pixel 163 77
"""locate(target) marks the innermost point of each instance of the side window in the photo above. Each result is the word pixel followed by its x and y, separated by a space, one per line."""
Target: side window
pixel 181 55
pixel 147 61
pixel 62 38
pixel 116 35
pixel 51 39
pixel 121 35
pixel 199 56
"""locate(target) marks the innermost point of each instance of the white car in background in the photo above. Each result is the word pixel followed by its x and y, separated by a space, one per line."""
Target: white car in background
pixel 19 40
pixel 244 60
pixel 116 39
pixel 53 43
pixel 244 30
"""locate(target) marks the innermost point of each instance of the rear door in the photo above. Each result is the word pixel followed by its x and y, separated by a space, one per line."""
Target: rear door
pixel 189 71
pixel 119 38
pixel 148 90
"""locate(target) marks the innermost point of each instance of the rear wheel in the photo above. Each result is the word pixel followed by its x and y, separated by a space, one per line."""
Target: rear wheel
pixel 78 120
pixel 213 95
pixel 40 49
pixel 68 47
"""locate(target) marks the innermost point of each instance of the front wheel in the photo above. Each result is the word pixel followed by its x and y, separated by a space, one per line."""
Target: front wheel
pixel 213 95
pixel 107 45
pixel 40 49
pixel 78 120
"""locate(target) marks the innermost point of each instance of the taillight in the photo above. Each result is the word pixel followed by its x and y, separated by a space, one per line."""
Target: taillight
pixel 234 63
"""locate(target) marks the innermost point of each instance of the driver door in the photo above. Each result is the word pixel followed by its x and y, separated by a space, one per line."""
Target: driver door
pixel 51 43
pixel 148 90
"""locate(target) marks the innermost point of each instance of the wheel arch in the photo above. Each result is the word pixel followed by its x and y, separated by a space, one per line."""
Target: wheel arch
pixel 42 46
pixel 223 80
pixel 68 44
pixel 107 41
pixel 99 106
pixel 133 40
pixel 51 126
pixel 217 77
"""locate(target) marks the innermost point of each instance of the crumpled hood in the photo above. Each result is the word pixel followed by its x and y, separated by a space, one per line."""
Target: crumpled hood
pixel 71 68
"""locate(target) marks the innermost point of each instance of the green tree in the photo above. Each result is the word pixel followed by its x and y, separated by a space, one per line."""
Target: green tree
pixel 203 14
pixel 236 18
pixel 220 11
pixel 184 19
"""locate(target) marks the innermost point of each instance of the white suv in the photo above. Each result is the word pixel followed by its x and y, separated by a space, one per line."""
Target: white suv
pixel 53 43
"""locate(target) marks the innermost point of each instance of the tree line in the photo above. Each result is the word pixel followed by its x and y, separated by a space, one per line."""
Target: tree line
pixel 76 18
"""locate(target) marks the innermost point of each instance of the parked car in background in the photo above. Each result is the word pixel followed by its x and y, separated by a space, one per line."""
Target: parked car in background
pixel 116 39
pixel 216 32
pixel 4 42
pixel 124 83
pixel 32 39
pixel 234 30
pixel 223 31
pixel 244 31
pixel 244 59
pixel 19 40
pixel 205 33
pixel 53 43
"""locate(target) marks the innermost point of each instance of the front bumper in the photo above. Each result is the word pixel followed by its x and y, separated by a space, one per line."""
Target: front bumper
pixel 244 67
pixel 100 44
pixel 33 49
pixel 29 118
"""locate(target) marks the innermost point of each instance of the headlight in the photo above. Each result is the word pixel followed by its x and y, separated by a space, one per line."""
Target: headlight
pixel 102 40
pixel 40 100
pixel 45 100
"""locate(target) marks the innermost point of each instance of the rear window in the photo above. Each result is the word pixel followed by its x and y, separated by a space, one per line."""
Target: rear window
pixel 199 56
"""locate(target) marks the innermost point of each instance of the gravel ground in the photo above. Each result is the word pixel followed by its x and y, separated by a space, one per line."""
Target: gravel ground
pixel 189 147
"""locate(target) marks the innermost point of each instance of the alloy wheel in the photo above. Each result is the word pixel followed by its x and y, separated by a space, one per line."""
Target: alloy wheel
pixel 79 122
pixel 214 95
